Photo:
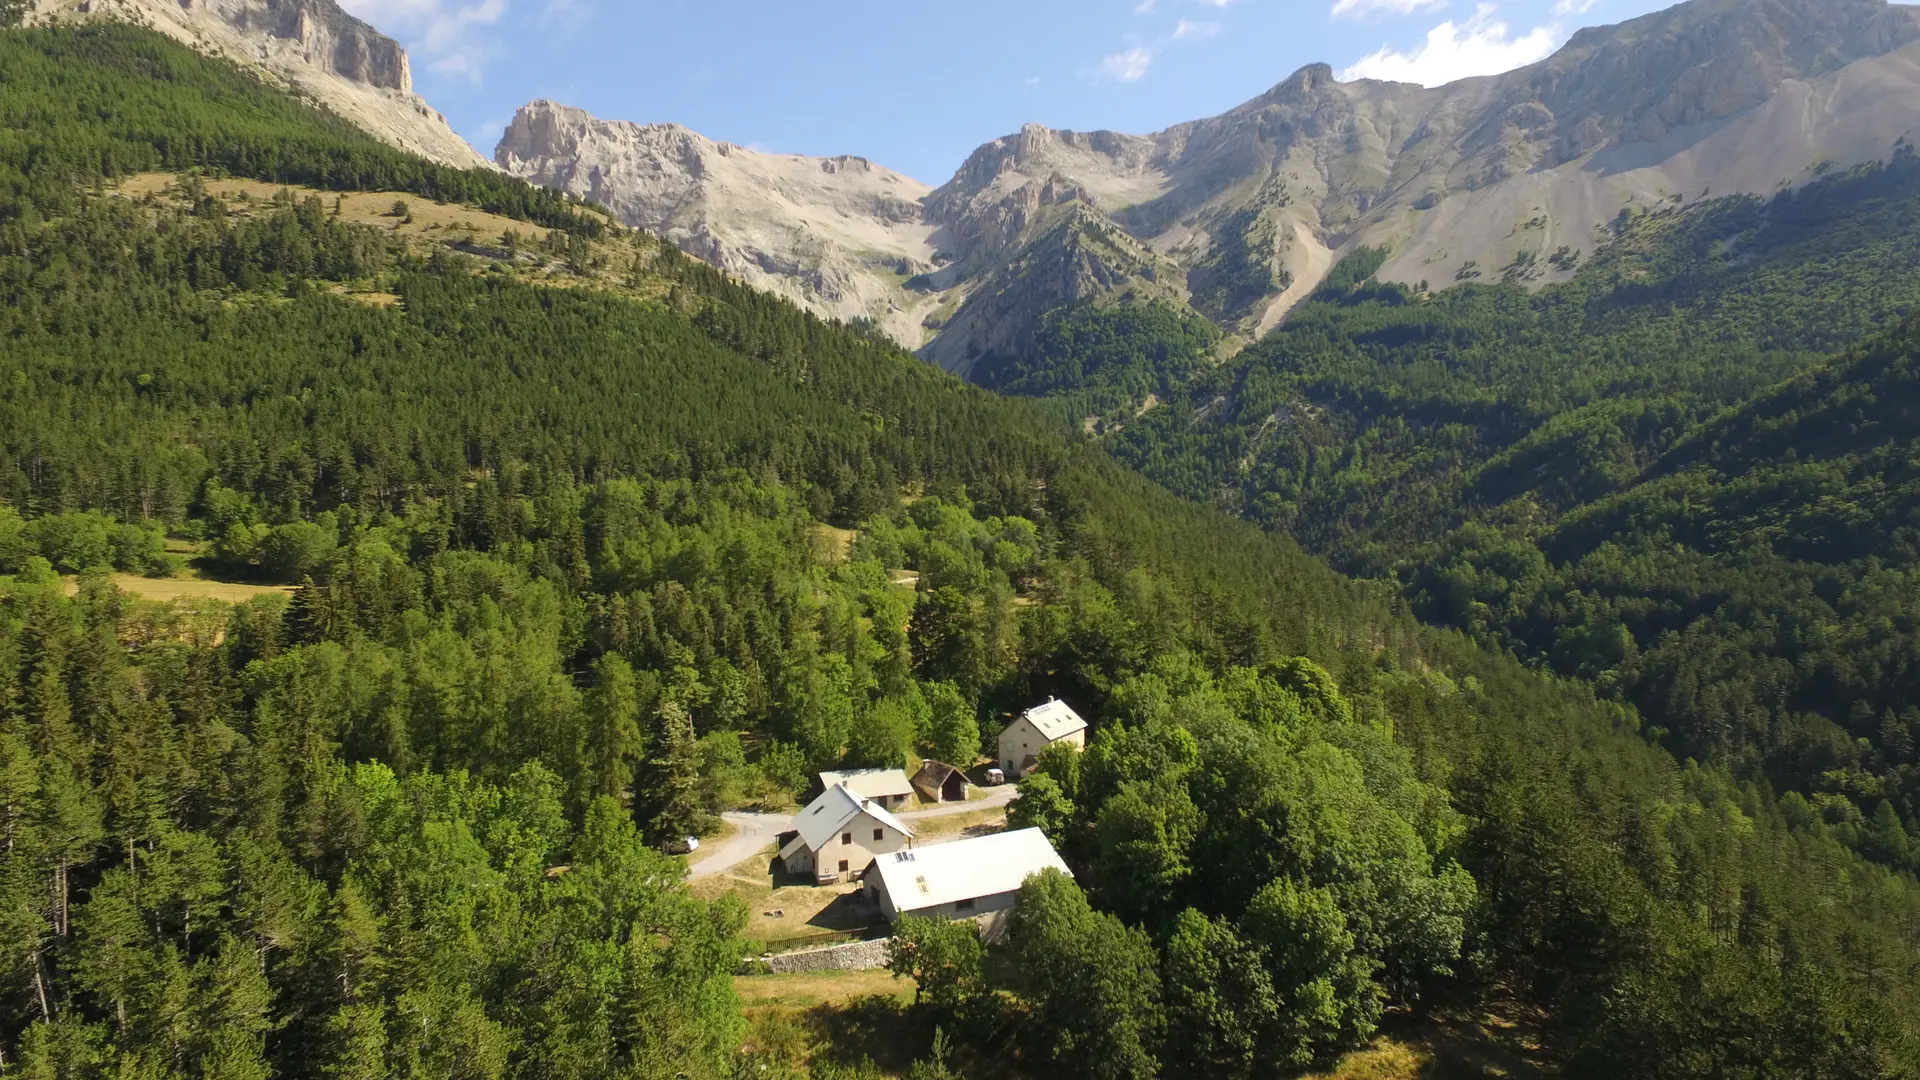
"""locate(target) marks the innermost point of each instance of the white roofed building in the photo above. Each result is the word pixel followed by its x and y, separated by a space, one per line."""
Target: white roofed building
pixel 888 787
pixel 838 835
pixel 1034 731
pixel 962 879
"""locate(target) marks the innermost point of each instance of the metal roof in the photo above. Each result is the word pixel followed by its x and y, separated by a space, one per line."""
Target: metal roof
pixel 870 783
pixel 925 877
pixel 935 772
pixel 829 814
pixel 1055 719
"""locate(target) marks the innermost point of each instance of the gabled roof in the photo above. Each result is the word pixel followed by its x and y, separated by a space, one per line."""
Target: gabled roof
pixel 870 783
pixel 1055 719
pixel 927 877
pixel 935 772
pixel 828 814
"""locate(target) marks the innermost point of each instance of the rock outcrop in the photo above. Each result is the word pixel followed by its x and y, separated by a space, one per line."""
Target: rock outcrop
pixel 310 45
pixel 1514 176
pixel 839 235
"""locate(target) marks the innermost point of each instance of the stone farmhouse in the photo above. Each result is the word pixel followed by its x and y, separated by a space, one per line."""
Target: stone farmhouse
pixel 838 835
pixel 1034 731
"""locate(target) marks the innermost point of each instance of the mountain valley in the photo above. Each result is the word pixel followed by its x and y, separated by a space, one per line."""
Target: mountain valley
pixel 1477 525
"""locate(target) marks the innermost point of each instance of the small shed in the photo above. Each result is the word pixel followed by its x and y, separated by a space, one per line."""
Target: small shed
pixel 1035 730
pixel 888 787
pixel 938 781
pixel 963 879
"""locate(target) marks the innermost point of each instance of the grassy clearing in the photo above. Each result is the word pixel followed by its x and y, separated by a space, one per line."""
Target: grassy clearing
pixel 807 989
pixel 804 910
pixel 363 207
pixel 1504 1043
pixel 426 225
pixel 831 544
pixel 166 590
pixel 954 826
pixel 841 1016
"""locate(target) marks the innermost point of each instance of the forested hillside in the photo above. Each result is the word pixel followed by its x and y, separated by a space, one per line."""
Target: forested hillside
pixel 561 594
pixel 1506 458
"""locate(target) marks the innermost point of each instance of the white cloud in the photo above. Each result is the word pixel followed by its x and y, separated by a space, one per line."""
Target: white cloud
pixel 566 14
pixel 1194 31
pixel 1384 7
pixel 1567 8
pixel 1483 45
pixel 446 34
pixel 1213 3
pixel 1032 81
pixel 1128 66
pixel 1146 7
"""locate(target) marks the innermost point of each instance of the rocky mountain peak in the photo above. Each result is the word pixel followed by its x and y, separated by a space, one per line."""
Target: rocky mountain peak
pixel 312 45
pixel 1239 216
pixel 838 234
pixel 325 36
pixel 1300 85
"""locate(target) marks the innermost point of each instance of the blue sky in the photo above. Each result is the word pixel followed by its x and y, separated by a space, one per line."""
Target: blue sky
pixel 916 86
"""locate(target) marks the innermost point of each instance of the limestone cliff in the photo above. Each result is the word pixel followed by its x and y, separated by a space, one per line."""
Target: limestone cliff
pixel 1239 216
pixel 312 46
pixel 839 235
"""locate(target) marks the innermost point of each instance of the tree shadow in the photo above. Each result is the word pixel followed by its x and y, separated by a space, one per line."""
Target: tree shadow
pixel 848 912
pixel 874 1028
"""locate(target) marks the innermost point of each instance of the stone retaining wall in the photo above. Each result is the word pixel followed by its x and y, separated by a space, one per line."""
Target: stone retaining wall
pixel 850 956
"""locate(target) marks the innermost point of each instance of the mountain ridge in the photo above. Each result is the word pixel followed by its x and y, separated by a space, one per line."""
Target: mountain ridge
pixel 313 46
pixel 1237 215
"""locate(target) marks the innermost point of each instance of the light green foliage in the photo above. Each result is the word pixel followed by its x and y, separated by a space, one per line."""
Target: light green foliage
pixel 944 959
pixel 614 740
pixel 81 541
pixel 1042 804
pixel 1315 968
pixel 953 729
pixel 1222 1008
pixel 1093 982
pixel 1287 817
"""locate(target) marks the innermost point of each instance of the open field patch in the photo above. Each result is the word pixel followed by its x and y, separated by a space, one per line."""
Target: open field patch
pixel 169 589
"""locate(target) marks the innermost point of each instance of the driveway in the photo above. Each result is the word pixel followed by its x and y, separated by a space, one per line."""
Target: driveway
pixel 753 834
pixel 756 832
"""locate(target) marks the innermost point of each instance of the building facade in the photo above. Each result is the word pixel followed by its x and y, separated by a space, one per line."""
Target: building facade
pixel 838 835
pixel 1035 730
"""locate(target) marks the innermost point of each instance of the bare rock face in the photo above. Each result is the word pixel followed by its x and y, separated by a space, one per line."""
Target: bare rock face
pixel 1239 216
pixel 311 45
pixel 839 235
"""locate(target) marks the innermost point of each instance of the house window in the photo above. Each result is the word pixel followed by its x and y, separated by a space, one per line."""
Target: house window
pixel 879 833
pixel 846 838
pixel 843 866
pixel 963 905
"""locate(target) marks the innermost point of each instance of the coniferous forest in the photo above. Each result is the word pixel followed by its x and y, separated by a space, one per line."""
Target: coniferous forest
pixel 567 569
pixel 1678 476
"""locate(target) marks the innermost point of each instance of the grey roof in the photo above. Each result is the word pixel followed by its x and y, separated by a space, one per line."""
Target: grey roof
pixel 1055 720
pixel 935 772
pixel 925 877
pixel 870 783
pixel 830 813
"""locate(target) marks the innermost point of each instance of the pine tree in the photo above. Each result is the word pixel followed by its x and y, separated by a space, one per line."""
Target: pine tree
pixel 674 790
pixel 613 727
